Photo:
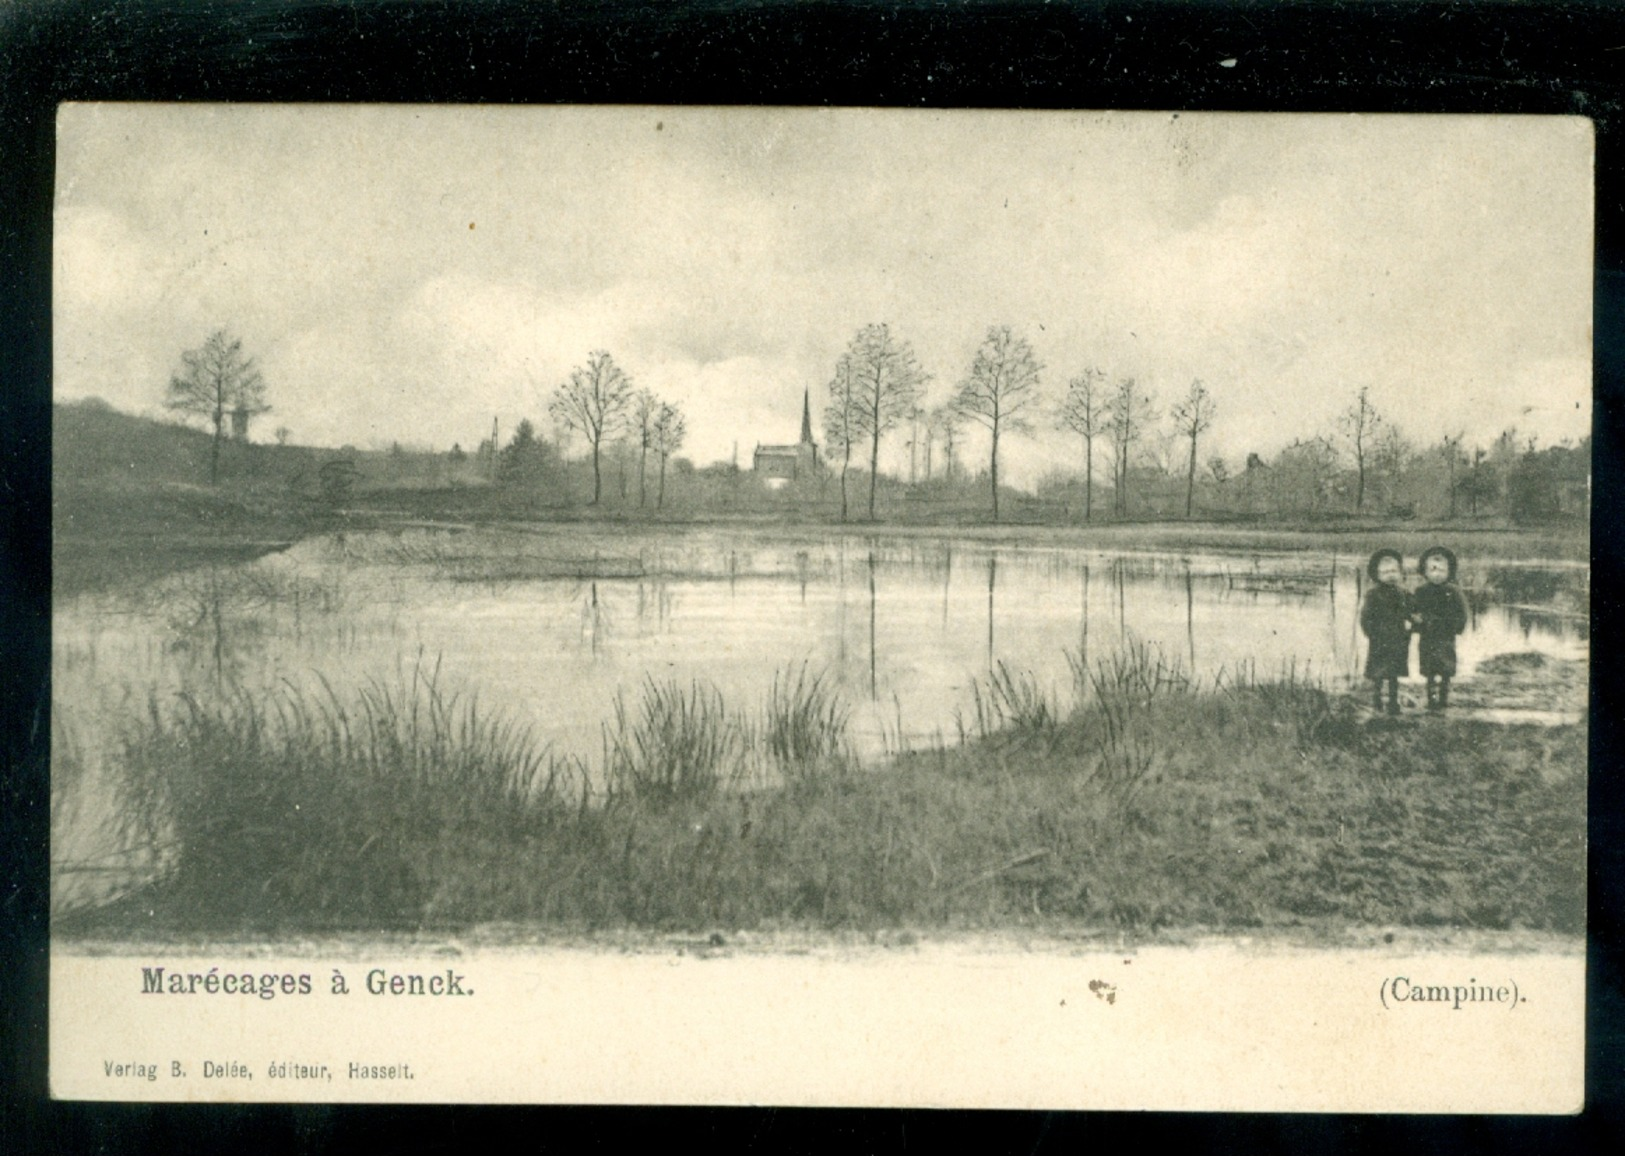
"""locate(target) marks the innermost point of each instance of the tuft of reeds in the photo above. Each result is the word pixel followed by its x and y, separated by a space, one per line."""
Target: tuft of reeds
pixel 804 728
pixel 1012 704
pixel 681 745
pixel 1118 697
pixel 272 805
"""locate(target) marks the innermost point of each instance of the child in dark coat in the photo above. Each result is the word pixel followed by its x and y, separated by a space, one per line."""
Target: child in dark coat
pixel 1438 615
pixel 1385 620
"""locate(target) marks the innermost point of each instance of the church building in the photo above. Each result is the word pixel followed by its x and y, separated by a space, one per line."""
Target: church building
pixel 781 463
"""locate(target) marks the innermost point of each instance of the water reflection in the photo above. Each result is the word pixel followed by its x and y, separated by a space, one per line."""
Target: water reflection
pixel 992 585
pixel 1083 619
pixel 1190 616
pixel 552 631
pixel 874 686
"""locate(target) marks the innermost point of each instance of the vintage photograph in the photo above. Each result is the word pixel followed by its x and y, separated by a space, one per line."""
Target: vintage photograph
pixel 825 548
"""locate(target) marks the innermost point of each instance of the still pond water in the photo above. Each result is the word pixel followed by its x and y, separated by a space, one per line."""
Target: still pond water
pixel 547 627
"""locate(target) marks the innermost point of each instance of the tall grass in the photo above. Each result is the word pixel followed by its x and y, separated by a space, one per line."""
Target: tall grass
pixel 1117 734
pixel 276 806
pixel 681 745
pixel 1149 802
pixel 804 729
pixel 1011 704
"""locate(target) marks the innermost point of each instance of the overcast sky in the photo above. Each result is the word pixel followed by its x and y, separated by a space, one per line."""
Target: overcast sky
pixel 406 273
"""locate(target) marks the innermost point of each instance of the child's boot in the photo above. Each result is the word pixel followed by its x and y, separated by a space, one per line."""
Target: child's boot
pixel 1433 695
pixel 1444 692
pixel 1393 698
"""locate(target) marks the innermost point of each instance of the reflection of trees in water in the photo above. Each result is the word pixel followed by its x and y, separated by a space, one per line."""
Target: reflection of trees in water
pixel 1119 576
pixel 596 621
pixel 840 616
pixel 1083 635
pixel 215 617
pixel 1531 621
pixel 992 583
pixel 874 685
pixel 654 606
pixel 1549 596
pixel 842 654
pixel 1190 616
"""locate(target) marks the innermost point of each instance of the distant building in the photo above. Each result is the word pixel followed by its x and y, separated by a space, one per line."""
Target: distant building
pixel 240 415
pixel 782 463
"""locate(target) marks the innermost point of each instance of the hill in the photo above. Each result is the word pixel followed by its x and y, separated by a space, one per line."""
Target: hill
pixel 130 497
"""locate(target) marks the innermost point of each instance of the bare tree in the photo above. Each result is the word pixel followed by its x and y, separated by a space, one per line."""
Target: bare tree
pixel 844 419
pixel 1390 451
pixel 1359 424
pixel 1128 414
pixel 1450 452
pixel 1480 482
pixel 948 423
pixel 1084 413
pixel 1192 416
pixel 645 407
pixel 217 380
pixel 594 401
pixel 888 381
pixel 668 430
pixel 915 419
pixel 1503 462
pixel 1003 382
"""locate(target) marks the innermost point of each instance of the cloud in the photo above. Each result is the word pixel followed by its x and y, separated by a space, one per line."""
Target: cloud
pixel 727 257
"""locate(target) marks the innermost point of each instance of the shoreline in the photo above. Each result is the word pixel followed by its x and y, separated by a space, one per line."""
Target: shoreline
pixel 92 560
pixel 1294 815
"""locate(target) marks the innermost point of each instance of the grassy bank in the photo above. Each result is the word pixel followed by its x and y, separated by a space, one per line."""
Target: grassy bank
pixel 1149 804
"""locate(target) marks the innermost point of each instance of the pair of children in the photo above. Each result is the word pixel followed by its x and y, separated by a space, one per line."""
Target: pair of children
pixel 1435 612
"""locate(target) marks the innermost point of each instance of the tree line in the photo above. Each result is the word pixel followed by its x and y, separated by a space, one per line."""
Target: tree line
pixel 1366 465
pixel 600 402
pixel 878 385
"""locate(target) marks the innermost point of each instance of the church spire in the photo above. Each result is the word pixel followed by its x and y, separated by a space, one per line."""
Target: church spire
pixel 806 415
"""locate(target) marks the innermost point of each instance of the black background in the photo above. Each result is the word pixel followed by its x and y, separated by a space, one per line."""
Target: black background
pixel 1562 58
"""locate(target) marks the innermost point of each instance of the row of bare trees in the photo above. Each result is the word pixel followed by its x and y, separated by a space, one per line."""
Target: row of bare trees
pixel 600 402
pixel 878 382
pixel 1122 414
pixel 1366 463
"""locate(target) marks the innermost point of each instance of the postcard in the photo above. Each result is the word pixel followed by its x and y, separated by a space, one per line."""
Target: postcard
pixel 823 607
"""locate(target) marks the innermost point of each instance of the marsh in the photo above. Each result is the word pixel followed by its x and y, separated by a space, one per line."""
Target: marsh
pixel 816 649
pixel 550 624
